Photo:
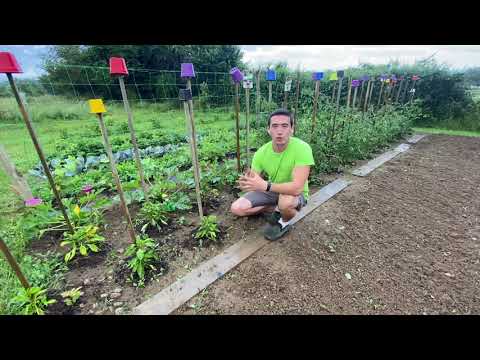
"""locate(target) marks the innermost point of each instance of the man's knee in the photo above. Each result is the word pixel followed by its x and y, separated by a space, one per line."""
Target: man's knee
pixel 287 202
pixel 240 206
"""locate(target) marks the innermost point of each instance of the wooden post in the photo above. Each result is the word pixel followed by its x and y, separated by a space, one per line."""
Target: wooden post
pixel 315 100
pixel 365 102
pixel 269 91
pixel 370 95
pixel 413 94
pixel 39 150
pixel 19 183
pixel 404 91
pixel 399 91
pixel 295 110
pixel 349 91
pixel 381 93
pixel 257 102
pixel 361 94
pixel 133 137
pixel 333 91
pixel 108 149
pixel 336 108
pixel 13 264
pixel 237 111
pixel 188 107
pixel 354 97
pixel 247 112
pixel 285 100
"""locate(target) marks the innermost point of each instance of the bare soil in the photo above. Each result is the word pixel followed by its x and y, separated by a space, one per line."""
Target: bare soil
pixel 403 240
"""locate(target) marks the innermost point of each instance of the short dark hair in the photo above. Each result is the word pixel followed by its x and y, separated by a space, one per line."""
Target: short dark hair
pixel 281 112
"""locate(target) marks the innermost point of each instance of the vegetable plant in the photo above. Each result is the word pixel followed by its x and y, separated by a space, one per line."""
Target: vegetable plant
pixel 83 240
pixel 143 254
pixel 33 301
pixel 208 229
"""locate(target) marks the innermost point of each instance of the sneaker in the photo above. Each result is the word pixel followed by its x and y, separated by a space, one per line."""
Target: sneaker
pixel 275 232
pixel 273 218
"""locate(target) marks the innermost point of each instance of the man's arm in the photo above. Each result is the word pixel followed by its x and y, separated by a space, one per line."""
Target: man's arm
pixel 295 187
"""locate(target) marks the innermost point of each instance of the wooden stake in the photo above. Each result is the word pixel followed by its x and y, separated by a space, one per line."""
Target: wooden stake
pixel 365 102
pixel 188 107
pixel 269 91
pixel 336 108
pixel 315 100
pixel 333 91
pixel 247 112
pixel 361 94
pixel 399 91
pixel 116 178
pixel 380 95
pixel 354 97
pixel 370 95
pixel 285 100
pixel 349 91
pixel 19 183
pixel 33 135
pixel 295 110
pixel 14 265
pixel 413 94
pixel 237 111
pixel 257 102
pixel 133 138
pixel 405 91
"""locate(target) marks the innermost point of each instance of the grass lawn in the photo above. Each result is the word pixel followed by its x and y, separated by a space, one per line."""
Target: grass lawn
pixel 447 132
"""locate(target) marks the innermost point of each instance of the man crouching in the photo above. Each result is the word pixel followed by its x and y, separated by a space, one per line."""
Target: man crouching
pixel 286 162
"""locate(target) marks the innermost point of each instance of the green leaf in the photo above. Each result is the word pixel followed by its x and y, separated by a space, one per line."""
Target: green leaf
pixel 83 250
pixel 93 247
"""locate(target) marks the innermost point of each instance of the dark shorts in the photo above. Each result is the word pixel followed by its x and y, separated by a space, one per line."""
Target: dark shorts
pixel 270 198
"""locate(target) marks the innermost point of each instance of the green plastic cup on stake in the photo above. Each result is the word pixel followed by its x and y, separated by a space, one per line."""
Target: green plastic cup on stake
pixel 187 72
pixel 98 108
pixel 9 66
pixel 119 69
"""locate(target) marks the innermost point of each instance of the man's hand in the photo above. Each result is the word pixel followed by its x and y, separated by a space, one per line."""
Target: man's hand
pixel 251 181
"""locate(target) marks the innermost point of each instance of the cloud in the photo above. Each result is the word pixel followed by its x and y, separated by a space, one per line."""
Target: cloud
pixel 322 57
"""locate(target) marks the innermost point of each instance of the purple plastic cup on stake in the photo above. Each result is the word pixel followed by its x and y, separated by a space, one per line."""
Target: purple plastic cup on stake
pixel 355 83
pixel 186 70
pixel 236 74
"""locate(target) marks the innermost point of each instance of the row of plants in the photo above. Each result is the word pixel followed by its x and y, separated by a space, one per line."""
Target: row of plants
pixel 336 141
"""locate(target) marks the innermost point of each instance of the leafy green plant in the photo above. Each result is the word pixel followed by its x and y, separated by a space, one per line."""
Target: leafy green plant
pixel 84 239
pixel 208 229
pixel 33 301
pixel 71 296
pixel 143 254
pixel 152 214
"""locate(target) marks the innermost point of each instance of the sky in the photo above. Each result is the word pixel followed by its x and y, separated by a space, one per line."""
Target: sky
pixel 308 57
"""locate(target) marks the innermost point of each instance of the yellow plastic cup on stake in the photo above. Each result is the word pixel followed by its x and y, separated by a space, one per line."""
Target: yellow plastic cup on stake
pixel 96 106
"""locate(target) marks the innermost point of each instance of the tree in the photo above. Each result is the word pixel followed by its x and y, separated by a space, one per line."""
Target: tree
pixel 86 75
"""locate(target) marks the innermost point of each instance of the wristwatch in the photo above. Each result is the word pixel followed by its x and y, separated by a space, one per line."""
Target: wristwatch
pixel 269 185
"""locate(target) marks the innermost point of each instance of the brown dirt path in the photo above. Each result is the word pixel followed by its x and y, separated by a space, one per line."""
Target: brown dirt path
pixel 408 236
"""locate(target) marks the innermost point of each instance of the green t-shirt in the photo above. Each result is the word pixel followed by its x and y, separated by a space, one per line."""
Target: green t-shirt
pixel 279 166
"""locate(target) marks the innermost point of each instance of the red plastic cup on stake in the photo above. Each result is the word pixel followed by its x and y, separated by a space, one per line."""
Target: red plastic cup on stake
pixel 118 67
